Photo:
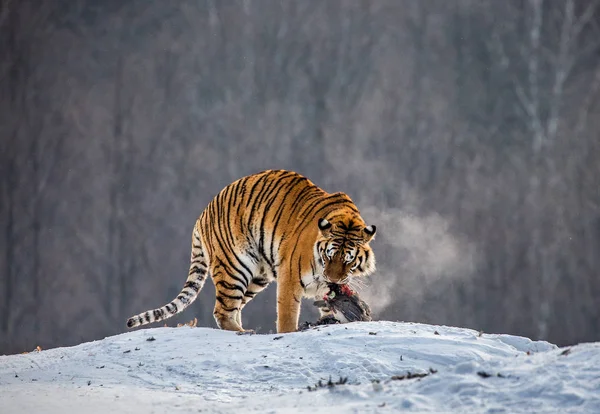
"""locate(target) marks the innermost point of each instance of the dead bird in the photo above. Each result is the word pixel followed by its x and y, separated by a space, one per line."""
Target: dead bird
pixel 340 305
pixel 344 305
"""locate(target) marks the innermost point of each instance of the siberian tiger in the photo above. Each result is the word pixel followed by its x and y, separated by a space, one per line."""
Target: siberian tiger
pixel 272 226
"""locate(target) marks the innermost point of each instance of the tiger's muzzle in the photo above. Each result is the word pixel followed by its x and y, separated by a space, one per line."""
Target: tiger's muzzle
pixel 337 270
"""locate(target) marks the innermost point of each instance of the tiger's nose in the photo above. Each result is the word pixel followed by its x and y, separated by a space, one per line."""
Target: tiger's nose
pixel 336 270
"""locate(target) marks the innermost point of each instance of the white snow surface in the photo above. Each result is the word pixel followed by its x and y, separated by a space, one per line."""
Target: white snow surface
pixel 194 370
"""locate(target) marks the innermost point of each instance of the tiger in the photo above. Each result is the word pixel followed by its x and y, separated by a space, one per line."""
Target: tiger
pixel 272 226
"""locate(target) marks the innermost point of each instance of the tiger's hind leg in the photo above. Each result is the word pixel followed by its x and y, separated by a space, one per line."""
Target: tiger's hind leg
pixel 227 316
pixel 230 293
pixel 257 285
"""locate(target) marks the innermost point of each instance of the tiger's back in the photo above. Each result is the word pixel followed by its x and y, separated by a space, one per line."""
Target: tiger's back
pixel 262 228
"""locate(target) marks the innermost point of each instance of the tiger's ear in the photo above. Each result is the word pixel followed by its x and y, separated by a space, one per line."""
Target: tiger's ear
pixel 324 224
pixel 370 232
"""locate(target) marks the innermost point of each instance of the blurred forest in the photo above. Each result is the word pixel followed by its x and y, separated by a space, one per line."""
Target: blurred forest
pixel 466 130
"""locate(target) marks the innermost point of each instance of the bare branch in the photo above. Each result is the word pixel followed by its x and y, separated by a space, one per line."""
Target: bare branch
pixel 588 102
pixel 562 69
pixel 533 66
pixel 4 11
pixel 584 19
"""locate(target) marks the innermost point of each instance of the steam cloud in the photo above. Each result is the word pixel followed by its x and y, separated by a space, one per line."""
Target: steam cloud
pixel 413 254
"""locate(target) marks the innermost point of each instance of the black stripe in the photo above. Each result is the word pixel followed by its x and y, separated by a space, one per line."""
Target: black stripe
pixel 294 250
pixel 225 216
pixel 232 297
pixel 231 200
pixel 260 282
pixel 258 202
pixel 218 202
pixel 251 202
pixel 264 256
pixel 252 255
pixel 276 221
pixel 147 316
pixel 186 291
pixel 195 286
pixel 300 269
pixel 196 269
pixel 211 222
pixel 241 202
pixel 229 286
pixel 269 204
pixel 183 299
pixel 224 306
pixel 236 192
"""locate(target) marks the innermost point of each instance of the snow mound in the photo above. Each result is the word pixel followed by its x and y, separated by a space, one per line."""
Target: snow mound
pixel 385 366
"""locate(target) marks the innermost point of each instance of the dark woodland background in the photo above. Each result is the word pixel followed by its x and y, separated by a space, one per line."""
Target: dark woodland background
pixel 466 130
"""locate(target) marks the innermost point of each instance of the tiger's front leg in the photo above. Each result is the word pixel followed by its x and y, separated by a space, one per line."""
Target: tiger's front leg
pixel 289 297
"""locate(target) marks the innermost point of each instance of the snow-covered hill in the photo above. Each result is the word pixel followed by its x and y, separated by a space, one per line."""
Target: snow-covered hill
pixel 205 370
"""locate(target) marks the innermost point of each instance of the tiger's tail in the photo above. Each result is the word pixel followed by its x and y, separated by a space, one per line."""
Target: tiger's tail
pixel 189 293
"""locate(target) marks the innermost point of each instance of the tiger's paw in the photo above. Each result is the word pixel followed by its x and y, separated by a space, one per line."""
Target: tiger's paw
pixel 245 332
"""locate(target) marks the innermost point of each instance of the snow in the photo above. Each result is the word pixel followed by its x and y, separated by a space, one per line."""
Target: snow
pixel 192 370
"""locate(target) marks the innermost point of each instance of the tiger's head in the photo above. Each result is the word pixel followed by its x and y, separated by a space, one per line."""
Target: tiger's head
pixel 343 249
